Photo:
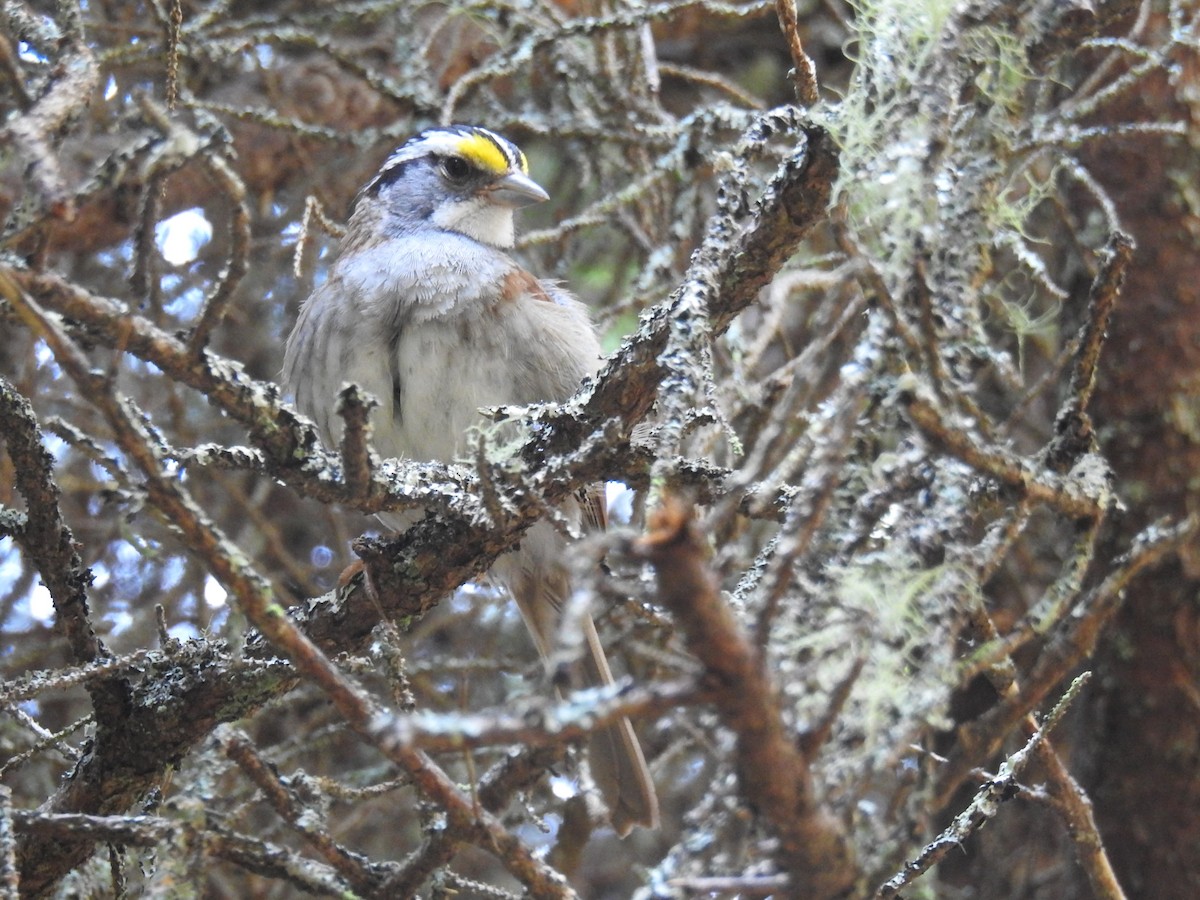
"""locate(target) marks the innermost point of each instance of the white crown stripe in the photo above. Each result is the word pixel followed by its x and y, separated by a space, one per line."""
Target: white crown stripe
pixel 449 141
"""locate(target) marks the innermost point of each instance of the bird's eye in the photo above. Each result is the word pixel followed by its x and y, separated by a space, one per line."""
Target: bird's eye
pixel 455 168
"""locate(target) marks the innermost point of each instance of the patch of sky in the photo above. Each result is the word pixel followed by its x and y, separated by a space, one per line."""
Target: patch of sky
pixel 55 446
pixel 28 54
pixel 564 788
pixel 116 256
pixel 172 572
pixel 45 359
pixel 180 237
pixel 541 837
pixel 219 620
pixel 215 596
pixel 101 576
pixel 184 631
pixel 187 305
pixel 128 562
pixel 10 563
pixel 141 365
pixel 36 605
pixel 128 556
pixel 41 605
pixel 619 500
pixel 468 596
pixel 31 708
pixel 118 618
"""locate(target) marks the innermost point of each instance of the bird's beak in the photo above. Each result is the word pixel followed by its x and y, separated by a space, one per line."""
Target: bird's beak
pixel 515 190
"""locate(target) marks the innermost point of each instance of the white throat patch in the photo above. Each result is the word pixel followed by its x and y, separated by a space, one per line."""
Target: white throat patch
pixel 486 222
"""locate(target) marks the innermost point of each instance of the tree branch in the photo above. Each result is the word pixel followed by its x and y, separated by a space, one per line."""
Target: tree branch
pixel 775 777
pixel 48 543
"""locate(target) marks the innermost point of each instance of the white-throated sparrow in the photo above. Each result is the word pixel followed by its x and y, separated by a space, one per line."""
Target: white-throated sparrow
pixel 426 309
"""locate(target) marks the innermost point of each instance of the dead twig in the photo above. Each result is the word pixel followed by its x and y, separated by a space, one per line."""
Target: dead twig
pixel 774 776
pixel 986 804
pixel 803 73
pixel 1073 435
pixel 48 543
pixel 301 818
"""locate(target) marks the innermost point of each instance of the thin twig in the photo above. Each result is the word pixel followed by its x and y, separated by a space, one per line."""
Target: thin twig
pixel 774 776
pixel 299 816
pixel 985 805
pixel 217 303
pixel 1073 428
pixel 1063 494
pixel 741 886
pixel 10 875
pixel 804 73
pixel 1076 810
pixel 354 408
pixel 535 722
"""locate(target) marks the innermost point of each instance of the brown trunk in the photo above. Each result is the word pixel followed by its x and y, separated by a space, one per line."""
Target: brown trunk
pixel 1146 707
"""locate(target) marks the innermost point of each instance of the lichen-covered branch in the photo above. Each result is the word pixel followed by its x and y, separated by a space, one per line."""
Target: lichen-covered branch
pixel 1067 646
pixel 355 869
pixel 10 874
pixel 1073 426
pixel 34 131
pixel 47 541
pixel 986 803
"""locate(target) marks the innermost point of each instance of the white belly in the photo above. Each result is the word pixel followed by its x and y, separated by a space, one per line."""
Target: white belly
pixel 444 381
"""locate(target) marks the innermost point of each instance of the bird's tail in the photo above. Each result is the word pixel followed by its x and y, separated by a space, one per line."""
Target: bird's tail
pixel 616 756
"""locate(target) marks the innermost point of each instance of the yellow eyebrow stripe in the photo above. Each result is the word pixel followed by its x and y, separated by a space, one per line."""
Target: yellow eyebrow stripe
pixel 486 155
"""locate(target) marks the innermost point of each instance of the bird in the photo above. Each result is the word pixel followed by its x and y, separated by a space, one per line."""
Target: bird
pixel 427 309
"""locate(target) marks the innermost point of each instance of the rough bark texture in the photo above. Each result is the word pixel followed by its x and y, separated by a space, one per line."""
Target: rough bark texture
pixel 1146 780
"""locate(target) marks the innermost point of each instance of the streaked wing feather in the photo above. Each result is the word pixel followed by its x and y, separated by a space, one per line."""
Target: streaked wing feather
pixel 593 503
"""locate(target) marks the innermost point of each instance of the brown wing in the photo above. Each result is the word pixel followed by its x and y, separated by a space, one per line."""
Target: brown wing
pixel 594 504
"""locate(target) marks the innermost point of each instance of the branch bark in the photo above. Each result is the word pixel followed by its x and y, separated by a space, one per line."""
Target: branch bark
pixel 775 776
